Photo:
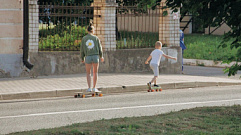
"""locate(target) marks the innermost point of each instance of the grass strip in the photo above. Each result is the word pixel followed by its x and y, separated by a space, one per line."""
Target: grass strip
pixel 224 120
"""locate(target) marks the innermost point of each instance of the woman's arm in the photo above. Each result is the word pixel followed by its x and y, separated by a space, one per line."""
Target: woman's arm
pixel 100 51
pixel 82 53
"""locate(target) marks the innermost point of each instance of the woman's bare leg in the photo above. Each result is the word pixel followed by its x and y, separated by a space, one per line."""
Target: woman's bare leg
pixel 88 73
pixel 95 73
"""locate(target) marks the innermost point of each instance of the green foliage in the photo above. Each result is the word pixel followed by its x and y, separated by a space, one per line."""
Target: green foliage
pixel 207 47
pixel 64 39
pixel 129 40
pixel 212 13
pixel 207 120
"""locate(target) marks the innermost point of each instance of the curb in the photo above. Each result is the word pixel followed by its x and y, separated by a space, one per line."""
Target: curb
pixel 207 63
pixel 109 90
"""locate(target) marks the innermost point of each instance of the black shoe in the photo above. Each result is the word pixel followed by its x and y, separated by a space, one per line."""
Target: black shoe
pixel 156 85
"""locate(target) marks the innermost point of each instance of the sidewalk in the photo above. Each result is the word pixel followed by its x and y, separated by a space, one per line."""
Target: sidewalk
pixel 66 85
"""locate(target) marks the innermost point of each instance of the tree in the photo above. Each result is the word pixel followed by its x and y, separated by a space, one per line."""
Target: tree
pixel 213 13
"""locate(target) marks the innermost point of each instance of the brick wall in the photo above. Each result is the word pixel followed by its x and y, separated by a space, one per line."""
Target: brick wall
pixel 105 22
pixel 169 28
pixel 11 26
pixel 11 37
pixel 33 26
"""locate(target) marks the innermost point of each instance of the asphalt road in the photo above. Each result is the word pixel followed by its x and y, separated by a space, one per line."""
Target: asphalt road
pixel 208 71
pixel 39 114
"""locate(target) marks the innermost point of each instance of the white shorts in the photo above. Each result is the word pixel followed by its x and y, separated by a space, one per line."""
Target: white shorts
pixel 155 69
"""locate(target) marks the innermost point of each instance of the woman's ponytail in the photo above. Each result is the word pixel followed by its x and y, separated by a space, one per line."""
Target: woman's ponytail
pixel 90 28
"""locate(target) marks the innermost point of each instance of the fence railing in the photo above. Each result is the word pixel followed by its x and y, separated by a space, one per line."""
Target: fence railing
pixel 62 26
pixel 137 28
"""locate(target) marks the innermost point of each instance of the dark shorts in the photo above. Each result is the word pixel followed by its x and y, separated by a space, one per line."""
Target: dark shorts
pixel 92 59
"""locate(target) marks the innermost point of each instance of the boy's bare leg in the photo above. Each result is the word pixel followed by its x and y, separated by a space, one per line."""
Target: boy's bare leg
pixel 95 73
pixel 155 82
pixel 154 79
pixel 88 74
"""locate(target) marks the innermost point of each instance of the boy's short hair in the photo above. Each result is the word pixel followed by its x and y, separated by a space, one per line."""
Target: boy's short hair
pixel 158 43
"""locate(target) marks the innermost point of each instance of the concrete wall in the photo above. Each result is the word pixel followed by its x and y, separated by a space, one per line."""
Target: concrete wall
pixel 11 37
pixel 188 30
pixel 119 61
pixel 220 31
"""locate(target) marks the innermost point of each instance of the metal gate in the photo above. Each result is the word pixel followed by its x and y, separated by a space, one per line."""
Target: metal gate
pixel 137 27
pixel 62 26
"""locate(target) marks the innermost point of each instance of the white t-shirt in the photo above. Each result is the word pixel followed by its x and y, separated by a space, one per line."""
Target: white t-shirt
pixel 156 56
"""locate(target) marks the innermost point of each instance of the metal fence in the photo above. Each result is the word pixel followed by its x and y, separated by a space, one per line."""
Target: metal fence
pixel 62 26
pixel 137 27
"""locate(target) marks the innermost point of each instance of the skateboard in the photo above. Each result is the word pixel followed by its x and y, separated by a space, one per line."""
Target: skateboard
pixel 82 95
pixel 153 89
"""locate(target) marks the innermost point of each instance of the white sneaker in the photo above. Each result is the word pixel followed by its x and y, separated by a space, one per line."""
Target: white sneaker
pixel 95 90
pixel 89 90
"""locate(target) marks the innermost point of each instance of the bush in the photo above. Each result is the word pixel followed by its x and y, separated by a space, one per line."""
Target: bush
pixel 206 47
pixel 63 38
pixel 136 40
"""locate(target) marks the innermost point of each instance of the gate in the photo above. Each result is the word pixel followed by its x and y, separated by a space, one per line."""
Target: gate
pixel 62 26
pixel 137 27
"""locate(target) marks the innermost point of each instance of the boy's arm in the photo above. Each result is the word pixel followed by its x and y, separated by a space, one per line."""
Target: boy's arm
pixel 169 57
pixel 148 59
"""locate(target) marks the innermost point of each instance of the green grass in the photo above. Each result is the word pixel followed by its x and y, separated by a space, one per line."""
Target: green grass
pixel 129 40
pixel 206 47
pixel 198 121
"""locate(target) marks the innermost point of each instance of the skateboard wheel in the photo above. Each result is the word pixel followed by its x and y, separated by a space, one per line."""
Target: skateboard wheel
pixel 152 90
pixel 156 90
pixel 75 96
pixel 93 95
pixel 160 89
pixel 100 95
pixel 83 96
pixel 148 90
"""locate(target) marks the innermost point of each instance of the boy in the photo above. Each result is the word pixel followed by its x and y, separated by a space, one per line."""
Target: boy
pixel 155 58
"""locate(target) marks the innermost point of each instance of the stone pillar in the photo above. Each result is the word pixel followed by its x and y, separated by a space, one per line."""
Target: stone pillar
pixel 169 27
pixel 11 37
pixel 105 22
pixel 33 26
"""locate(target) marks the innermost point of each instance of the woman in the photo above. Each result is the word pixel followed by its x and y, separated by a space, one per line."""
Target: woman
pixel 91 52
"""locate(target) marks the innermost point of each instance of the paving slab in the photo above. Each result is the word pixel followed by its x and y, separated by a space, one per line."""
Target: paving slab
pixel 67 85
